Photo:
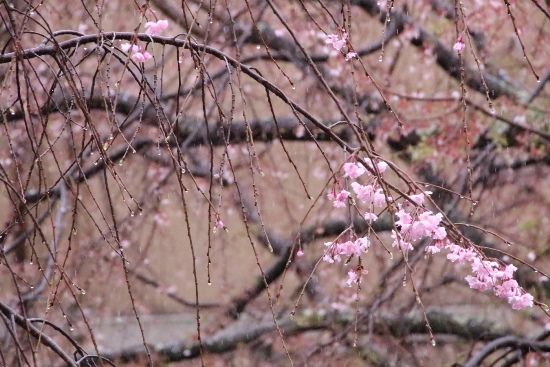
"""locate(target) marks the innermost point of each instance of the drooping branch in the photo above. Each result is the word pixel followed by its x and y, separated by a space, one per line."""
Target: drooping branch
pixel 9 313
pixel 60 226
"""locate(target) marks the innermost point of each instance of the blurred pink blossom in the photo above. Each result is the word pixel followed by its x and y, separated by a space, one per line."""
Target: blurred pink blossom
pixel 156 28
pixel 141 56
pixel 353 170
pixel 138 55
pixel 336 41
pixel 339 198
pixel 459 46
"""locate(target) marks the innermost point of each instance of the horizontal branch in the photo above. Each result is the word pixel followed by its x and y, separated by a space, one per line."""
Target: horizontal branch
pixel 107 39
pixel 245 331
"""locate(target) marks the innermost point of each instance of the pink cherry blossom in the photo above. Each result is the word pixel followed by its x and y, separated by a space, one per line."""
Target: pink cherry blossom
pixel 435 247
pixel 328 258
pixel 349 248
pixel 365 193
pixel 156 28
pixel 336 41
pixel 362 244
pixel 141 56
pixel 509 271
pixel 125 47
pixel 370 217
pixel 427 225
pixel 439 233
pixel 379 198
pixel 353 170
pixel 430 220
pixel 339 198
pixel 507 289
pixel 491 275
pixel 479 284
pixel 352 277
pixel 350 55
pixel 522 302
pixel 405 220
pixel 382 166
pixel 332 253
pixel 300 253
pixel 356 248
pixel 459 46
pixel 484 268
pixel 418 199
pixel 399 242
pixel 460 254
pixel 138 55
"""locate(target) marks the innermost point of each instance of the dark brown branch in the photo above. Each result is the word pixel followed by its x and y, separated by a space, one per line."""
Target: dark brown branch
pixel 507 342
pixel 36 333
pixel 246 331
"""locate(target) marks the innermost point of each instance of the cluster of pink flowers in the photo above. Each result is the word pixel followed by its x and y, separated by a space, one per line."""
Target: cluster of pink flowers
pixel 412 225
pixel 139 54
pixel 487 274
pixel 348 249
pixel 422 223
pixel 491 275
pixel 156 28
pixel 338 42
pixel 339 198
pixel 371 195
